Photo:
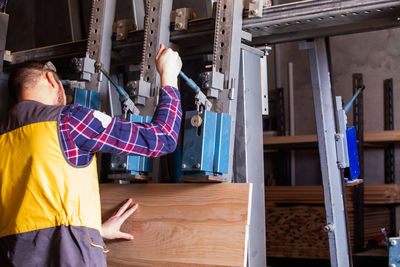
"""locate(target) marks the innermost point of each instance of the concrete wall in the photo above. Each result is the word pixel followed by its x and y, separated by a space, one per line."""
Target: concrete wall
pixel 374 54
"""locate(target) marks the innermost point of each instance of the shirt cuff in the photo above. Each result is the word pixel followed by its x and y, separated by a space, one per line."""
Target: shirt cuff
pixel 171 91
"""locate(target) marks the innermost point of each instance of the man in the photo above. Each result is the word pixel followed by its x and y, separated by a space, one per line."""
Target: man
pixel 49 193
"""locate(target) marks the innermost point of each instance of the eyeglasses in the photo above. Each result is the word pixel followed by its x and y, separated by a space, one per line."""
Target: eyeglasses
pixel 49 66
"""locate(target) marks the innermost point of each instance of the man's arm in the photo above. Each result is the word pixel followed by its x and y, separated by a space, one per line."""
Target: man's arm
pixel 92 131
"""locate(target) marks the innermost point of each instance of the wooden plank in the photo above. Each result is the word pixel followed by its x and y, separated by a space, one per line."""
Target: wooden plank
pixel 180 224
pixel 369 137
pixel 382 136
pixel 373 194
pixel 297 139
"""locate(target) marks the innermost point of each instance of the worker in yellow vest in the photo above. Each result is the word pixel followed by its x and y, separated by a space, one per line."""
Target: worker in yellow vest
pixel 49 194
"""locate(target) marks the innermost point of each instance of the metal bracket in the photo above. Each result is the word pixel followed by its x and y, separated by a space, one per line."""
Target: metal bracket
pixel 122 27
pixel 340 138
pixel 213 81
pixel 181 16
pixel 255 7
pixel 140 90
pixel 85 67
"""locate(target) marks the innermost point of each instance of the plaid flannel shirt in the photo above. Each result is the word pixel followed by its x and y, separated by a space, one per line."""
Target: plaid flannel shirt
pixel 84 131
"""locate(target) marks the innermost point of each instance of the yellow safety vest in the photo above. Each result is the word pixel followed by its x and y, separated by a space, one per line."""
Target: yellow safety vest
pixel 38 187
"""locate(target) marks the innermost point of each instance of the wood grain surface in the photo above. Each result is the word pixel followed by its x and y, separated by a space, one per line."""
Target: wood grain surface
pixel 180 224
pixel 369 137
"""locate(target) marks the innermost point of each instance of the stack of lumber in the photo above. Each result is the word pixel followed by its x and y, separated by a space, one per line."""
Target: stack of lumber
pixel 295 217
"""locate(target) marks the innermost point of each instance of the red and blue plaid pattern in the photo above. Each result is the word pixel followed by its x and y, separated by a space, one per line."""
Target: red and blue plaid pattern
pixel 82 134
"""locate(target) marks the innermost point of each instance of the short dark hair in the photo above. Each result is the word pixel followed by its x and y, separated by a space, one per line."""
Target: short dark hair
pixel 25 74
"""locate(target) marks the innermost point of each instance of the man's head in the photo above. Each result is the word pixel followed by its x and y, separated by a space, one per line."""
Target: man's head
pixel 36 81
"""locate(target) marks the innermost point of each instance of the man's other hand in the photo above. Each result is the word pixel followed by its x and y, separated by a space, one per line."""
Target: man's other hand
pixel 169 65
pixel 112 227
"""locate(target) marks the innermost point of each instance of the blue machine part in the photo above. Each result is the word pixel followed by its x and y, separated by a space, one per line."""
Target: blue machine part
pixel 90 99
pixel 353 152
pixel 394 251
pixel 222 142
pixel 199 143
pixel 206 148
pixel 139 164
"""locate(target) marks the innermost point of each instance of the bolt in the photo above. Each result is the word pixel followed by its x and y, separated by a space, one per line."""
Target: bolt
pixel 112 165
pixel 183 166
pixel 197 165
pixel 179 25
pixel 179 14
pixel 254 12
pixel 328 228
pixel 393 242
pixel 196 121
pixel 123 165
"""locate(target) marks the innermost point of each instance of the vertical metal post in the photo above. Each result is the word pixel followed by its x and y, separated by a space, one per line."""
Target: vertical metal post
pixel 358 119
pixel 249 147
pixel 99 44
pixel 389 149
pixel 358 190
pixel 389 125
pixel 283 156
pixel 331 175
pixel 228 41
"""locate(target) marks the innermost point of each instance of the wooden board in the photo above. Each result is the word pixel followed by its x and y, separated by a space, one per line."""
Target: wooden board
pixel 180 224
pixel 373 194
pixel 369 137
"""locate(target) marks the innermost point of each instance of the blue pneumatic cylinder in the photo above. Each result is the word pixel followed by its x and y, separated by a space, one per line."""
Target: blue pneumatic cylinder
pixel 190 82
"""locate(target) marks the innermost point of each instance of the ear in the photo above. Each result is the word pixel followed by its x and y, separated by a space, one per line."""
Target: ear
pixel 51 79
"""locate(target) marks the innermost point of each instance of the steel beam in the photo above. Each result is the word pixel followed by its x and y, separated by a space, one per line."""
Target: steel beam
pixel 331 176
pixel 228 47
pixel 317 18
pixel 99 45
pixel 249 155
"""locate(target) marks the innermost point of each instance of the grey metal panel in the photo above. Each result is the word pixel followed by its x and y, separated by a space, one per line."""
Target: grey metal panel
pixel 249 157
pixel 316 18
pixel 331 176
pixel 66 50
pixel 139 13
pixel 75 20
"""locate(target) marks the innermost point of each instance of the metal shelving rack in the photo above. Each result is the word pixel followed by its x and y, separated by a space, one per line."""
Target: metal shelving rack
pixel 303 20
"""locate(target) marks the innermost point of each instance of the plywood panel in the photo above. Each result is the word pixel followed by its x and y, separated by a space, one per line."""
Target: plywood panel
pixel 180 224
